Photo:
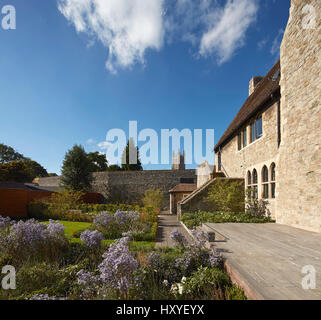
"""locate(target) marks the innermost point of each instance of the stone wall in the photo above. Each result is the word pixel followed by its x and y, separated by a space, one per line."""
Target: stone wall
pixel 263 151
pixel 129 186
pixel 299 170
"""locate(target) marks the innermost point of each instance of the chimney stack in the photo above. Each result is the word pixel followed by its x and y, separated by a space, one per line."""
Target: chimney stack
pixel 253 83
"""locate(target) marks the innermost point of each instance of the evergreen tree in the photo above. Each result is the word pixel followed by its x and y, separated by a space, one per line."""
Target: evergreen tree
pixel 99 161
pixel 76 171
pixel 130 157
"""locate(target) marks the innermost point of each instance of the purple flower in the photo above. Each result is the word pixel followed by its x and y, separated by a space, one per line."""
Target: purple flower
pixel 103 220
pixel 118 267
pixel 178 238
pixel 92 239
pixel 30 237
pixel 89 283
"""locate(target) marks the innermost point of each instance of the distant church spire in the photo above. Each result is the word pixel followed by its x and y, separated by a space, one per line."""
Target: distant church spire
pixel 178 162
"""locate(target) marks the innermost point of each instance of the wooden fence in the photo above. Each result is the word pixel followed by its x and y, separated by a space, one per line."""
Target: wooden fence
pixel 13 202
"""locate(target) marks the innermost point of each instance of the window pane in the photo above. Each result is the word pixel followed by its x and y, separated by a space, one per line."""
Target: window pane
pixel 265 191
pixel 249 178
pixel 265 174
pixel 253 132
pixel 273 172
pixel 255 196
pixel 244 138
pixel 258 128
pixel 254 177
pixel 239 141
pixel 273 190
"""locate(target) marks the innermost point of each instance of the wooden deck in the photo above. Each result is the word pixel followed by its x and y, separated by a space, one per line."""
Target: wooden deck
pixel 267 259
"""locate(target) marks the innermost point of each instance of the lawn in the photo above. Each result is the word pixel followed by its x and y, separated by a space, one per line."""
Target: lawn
pixel 71 227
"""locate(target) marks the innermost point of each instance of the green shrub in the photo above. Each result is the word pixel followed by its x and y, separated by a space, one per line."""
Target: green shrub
pixel 111 208
pixel 153 198
pixel 150 236
pixel 210 284
pixel 192 220
pixel 228 196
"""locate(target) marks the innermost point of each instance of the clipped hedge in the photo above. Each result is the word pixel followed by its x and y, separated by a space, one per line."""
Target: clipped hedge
pixel 192 220
pixel 82 213
pixel 111 208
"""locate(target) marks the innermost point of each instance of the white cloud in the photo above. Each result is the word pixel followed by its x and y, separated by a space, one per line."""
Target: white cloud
pixel 227 28
pixel 90 141
pixel 126 27
pixel 104 145
pixel 275 49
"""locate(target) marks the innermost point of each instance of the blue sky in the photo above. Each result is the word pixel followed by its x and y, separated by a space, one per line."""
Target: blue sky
pixel 71 73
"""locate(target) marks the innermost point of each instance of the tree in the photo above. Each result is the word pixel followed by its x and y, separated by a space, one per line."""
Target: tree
pixel 8 154
pixel 15 171
pixel 114 167
pixel 132 150
pixel 76 171
pixel 228 196
pixel 52 175
pixel 153 198
pixel 99 161
pixel 35 169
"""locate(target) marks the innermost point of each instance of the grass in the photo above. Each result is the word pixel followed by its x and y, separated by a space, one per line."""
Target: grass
pixel 71 227
pixel 134 246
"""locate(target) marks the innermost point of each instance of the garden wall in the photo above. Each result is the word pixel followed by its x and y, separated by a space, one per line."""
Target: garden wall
pixel 130 186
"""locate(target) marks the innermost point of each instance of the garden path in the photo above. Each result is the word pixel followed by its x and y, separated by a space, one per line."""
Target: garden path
pixel 166 224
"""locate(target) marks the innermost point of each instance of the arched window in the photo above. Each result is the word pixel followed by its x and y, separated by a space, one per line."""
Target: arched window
pixel 249 178
pixel 265 182
pixel 273 180
pixel 249 184
pixel 254 184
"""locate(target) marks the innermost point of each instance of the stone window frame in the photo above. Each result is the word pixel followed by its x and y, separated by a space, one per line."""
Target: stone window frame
pixel 265 182
pixel 273 180
pixel 253 129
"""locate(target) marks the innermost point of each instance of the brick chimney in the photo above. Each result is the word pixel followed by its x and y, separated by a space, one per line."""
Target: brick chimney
pixel 253 83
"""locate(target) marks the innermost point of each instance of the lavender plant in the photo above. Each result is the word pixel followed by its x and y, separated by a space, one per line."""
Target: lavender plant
pixel 178 238
pixel 31 239
pixel 118 268
pixel 92 239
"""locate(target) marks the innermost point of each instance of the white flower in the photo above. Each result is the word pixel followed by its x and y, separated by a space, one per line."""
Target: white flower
pixel 177 288
pixel 165 282
pixel 183 280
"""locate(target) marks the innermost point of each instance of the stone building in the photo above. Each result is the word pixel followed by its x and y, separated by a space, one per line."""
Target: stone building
pixel 273 142
pixel 249 147
pixel 178 193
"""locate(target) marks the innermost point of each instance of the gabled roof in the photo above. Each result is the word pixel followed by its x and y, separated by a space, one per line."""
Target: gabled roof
pixel 184 188
pixel 25 186
pixel 269 85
